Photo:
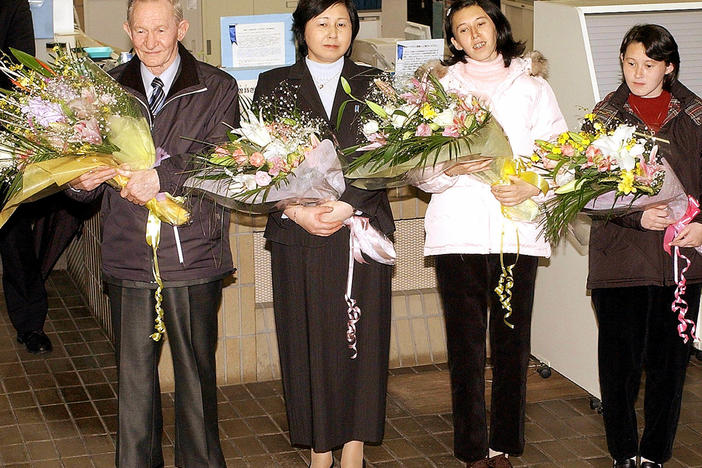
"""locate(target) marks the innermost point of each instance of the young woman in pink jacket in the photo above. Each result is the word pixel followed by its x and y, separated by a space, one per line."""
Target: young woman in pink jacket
pixel 466 231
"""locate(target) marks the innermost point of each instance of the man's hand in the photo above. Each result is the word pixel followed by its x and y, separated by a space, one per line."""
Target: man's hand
pixel 515 193
pixel 93 178
pixel 656 218
pixel 309 218
pixel 689 236
pixel 142 186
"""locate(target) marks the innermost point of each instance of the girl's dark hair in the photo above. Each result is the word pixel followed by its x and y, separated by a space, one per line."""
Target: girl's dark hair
pixel 308 9
pixel 506 45
pixel 659 45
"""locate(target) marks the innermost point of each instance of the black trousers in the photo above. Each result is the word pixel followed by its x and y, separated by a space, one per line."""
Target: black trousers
pixel 466 284
pixel 31 242
pixel 190 315
pixel 638 331
pixel 330 398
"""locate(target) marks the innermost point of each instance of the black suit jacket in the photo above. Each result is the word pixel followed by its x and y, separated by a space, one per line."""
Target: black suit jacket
pixel 296 81
pixel 16 30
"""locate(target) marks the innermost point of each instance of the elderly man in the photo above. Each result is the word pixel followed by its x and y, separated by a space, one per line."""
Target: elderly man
pixel 182 98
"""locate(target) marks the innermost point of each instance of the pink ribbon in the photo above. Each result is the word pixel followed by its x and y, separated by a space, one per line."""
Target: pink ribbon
pixel 363 239
pixel 679 305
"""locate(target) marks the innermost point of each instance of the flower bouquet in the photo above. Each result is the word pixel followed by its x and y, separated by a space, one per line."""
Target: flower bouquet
pixel 269 165
pixel 605 171
pixel 278 160
pixel 420 131
pixel 67 118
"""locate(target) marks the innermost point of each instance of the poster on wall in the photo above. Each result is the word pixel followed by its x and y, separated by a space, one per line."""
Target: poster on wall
pixel 257 44
pixel 257 41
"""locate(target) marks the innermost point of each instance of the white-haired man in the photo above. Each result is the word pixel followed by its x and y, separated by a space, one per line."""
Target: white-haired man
pixel 182 98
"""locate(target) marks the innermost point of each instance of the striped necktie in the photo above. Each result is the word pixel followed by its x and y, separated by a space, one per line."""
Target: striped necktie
pixel 157 96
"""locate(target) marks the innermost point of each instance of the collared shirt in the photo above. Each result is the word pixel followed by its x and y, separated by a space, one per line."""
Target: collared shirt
pixel 168 77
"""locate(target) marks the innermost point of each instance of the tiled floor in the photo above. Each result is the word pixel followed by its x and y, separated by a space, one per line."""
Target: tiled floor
pixel 59 410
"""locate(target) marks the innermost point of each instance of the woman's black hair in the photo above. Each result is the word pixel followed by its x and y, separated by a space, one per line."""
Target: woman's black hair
pixel 659 45
pixel 506 45
pixel 308 9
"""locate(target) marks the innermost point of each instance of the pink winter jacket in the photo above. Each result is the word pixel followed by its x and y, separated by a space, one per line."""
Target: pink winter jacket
pixel 463 216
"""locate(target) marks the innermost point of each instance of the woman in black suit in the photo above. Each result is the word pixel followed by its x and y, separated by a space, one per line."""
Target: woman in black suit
pixel 332 400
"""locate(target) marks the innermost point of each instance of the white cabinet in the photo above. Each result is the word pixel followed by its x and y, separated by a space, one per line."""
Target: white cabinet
pixel 520 14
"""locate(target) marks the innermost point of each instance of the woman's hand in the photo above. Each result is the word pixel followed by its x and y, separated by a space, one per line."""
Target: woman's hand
pixel 93 178
pixel 515 193
pixel 142 185
pixel 469 167
pixel 689 236
pixel 341 212
pixel 309 218
pixel 656 218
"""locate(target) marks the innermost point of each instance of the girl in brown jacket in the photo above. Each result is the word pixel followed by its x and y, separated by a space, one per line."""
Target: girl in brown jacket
pixel 631 276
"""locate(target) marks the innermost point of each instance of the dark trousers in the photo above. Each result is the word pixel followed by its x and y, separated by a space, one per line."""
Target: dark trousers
pixel 190 314
pixel 22 278
pixel 466 284
pixel 31 242
pixel 637 331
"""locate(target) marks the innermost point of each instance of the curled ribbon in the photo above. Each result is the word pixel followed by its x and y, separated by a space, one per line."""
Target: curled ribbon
pixel 363 239
pixel 506 282
pixel 153 238
pixel 679 305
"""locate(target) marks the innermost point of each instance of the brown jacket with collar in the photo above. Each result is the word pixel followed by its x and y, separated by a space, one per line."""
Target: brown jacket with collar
pixel 622 253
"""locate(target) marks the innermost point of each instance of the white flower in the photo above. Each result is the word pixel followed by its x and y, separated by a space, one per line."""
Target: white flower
pixel 254 129
pixel 7 160
pixel 445 118
pixel 564 176
pixel 615 145
pixel 275 148
pixel 370 128
pixel 241 183
pixel 398 119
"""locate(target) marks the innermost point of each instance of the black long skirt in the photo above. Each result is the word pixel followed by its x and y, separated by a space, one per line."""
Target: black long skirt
pixel 331 399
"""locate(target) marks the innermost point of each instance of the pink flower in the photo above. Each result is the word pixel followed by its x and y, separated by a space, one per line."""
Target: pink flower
pixel 84 106
pixel 568 150
pixel 276 166
pixel 262 178
pixel 257 159
pixel 87 131
pixel 239 156
pixel 423 130
pixel 451 131
pixel 221 151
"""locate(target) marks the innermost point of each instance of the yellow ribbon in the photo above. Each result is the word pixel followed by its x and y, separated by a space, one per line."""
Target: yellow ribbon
pixel 506 281
pixel 153 237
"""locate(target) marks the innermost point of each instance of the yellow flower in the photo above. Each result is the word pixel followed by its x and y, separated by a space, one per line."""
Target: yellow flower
pixel 626 184
pixel 535 158
pixel 428 111
pixel 562 138
pixel 556 150
pixel 590 117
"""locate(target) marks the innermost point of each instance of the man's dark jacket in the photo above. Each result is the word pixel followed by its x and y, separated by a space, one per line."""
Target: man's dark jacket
pixel 201 99
pixel 622 253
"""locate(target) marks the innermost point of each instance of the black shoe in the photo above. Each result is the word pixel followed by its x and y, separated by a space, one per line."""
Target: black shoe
pixel 648 464
pixel 36 341
pixel 628 463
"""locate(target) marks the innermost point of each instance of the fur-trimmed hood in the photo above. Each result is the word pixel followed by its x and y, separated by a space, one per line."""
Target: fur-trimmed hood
pixel 534 61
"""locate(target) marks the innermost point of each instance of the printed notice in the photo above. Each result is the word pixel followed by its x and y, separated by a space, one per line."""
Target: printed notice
pixel 412 54
pixel 257 44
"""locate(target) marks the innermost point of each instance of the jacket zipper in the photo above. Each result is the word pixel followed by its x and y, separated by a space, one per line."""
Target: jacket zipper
pixel 176 236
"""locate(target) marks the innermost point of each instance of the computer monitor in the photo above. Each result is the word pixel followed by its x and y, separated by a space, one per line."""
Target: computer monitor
pixel 416 31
